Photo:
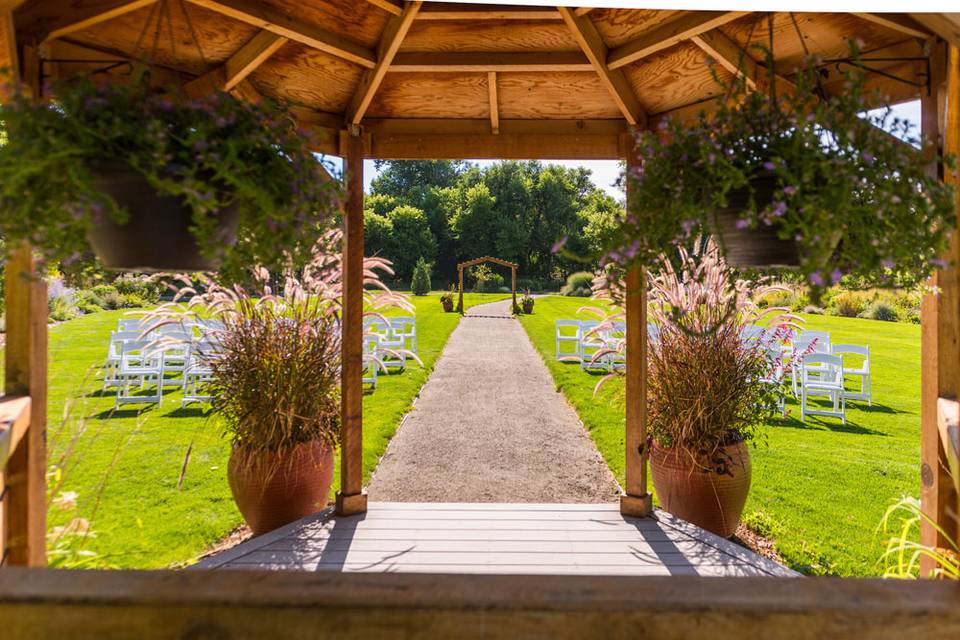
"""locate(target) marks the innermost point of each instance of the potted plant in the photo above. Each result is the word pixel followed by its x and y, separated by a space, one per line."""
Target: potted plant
pixel 446 300
pixel 527 302
pixel 791 178
pixel 274 361
pixel 154 181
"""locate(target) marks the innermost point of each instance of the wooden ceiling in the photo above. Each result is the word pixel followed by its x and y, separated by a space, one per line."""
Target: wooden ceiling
pixel 432 69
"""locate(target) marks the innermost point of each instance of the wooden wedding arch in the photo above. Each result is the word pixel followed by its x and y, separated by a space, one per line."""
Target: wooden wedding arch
pixel 393 79
pixel 470 263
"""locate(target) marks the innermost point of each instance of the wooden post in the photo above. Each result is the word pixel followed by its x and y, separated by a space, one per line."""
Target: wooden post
pixel 636 500
pixel 25 504
pixel 460 301
pixel 351 499
pixel 940 322
pixel 513 286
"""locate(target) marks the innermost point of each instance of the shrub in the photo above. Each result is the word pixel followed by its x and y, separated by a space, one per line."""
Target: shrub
pixel 143 287
pixel 486 280
pixel 60 301
pixel 880 310
pixel 578 284
pixel 848 304
pixel 813 309
pixel 420 284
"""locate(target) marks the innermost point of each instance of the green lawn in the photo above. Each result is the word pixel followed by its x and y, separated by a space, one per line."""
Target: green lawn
pixel 820 488
pixel 125 466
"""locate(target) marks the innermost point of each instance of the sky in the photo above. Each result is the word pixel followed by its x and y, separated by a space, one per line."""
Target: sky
pixel 605 172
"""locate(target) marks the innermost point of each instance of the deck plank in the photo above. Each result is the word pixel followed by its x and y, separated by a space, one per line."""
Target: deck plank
pixel 538 539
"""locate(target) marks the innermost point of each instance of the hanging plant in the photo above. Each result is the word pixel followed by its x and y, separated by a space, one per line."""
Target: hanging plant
pixel 112 164
pixel 794 179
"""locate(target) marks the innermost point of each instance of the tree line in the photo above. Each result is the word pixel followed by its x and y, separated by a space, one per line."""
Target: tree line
pixel 450 211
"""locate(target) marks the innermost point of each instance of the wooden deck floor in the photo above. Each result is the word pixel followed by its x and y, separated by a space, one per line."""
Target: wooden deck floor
pixel 561 539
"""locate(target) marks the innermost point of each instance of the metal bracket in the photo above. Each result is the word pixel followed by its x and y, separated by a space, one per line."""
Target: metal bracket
pixel 108 65
pixel 355 130
pixel 862 63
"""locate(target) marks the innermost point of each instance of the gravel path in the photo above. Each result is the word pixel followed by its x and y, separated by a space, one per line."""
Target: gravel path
pixel 489 426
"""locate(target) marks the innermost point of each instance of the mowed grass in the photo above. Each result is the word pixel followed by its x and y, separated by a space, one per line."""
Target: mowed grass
pixel 126 466
pixel 820 488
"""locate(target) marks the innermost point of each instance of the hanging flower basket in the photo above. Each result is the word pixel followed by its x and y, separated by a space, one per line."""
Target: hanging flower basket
pixel 156 235
pixel 803 179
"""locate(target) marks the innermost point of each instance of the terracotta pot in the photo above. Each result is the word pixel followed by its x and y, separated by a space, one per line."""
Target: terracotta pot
pixel 156 236
pixel 759 247
pixel 273 489
pixel 447 305
pixel 528 307
pixel 709 499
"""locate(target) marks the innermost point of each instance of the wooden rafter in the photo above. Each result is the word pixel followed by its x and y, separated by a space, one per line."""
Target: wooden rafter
pixel 614 80
pixel 265 17
pixel 482 62
pixel 482 259
pixel 898 22
pixel 945 25
pixel 666 35
pixel 582 11
pixel 393 35
pixel 239 65
pixel 458 11
pixel 735 60
pixel 388 5
pixel 94 16
pixel 494 102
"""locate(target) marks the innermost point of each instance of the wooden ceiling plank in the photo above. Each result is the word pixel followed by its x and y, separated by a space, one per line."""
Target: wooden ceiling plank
pixel 732 58
pixel 666 35
pixel 388 5
pixel 94 17
pixel 590 41
pixel 494 103
pixel 945 25
pixel 898 22
pixel 483 62
pixel 393 35
pixel 269 19
pixel 456 11
pixel 241 64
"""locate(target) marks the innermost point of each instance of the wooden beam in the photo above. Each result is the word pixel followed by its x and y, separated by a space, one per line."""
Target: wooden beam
pixel 940 328
pixel 25 375
pixel 154 605
pixel 483 62
pixel 14 422
pixel 636 500
pixel 8 52
pixel 351 499
pixel 455 127
pixel 84 18
pixel 582 11
pixel 502 146
pixel 446 11
pixel 265 17
pixel 241 64
pixel 897 22
pixel 735 60
pixel 388 5
pixel 494 103
pixel 615 81
pixel 945 25
pixel 666 35
pixel 393 35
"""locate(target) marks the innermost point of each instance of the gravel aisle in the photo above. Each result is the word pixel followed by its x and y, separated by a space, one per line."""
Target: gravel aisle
pixel 489 426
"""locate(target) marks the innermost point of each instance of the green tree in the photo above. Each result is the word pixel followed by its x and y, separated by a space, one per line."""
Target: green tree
pixel 377 234
pixel 474 220
pixel 398 177
pixel 420 284
pixel 411 239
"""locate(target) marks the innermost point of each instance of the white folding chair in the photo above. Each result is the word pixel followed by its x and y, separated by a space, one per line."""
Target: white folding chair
pixel 371 342
pixel 592 340
pixel 138 325
pixel 822 374
pixel 614 337
pixel 775 373
pixel 752 332
pixel 653 334
pixel 804 345
pixel 173 346
pixel 111 366
pixel 405 328
pixel 139 363
pixel 862 371
pixel 389 347
pixel 197 373
pixel 567 333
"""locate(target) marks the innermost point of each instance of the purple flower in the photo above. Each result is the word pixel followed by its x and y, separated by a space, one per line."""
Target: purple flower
pixel 867 157
pixel 816 279
pixel 939 263
pixel 887 263
pixel 789 190
pixel 779 209
pixel 559 244
pixel 743 223
pixel 835 276
pixel 688 225
pixel 770 166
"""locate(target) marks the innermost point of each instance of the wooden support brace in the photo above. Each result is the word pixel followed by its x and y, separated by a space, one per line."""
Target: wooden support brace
pixel 351 499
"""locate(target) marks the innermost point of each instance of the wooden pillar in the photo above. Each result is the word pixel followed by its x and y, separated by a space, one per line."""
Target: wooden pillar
pixel 460 299
pixel 351 498
pixel 636 500
pixel 513 286
pixel 940 319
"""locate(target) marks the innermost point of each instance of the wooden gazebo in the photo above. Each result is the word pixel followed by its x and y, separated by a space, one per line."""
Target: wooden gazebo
pixel 388 79
pixel 513 266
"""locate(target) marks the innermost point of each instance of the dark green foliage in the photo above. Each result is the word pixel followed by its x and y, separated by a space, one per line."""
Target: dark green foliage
pixel 420 285
pixel 880 310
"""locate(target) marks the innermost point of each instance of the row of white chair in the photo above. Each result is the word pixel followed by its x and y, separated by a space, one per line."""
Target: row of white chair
pixel 386 344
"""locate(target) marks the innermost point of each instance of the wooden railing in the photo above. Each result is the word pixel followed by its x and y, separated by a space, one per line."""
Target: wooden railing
pixel 14 426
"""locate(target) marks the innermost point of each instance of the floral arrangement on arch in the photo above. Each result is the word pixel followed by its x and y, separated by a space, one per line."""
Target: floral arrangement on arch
pixel 854 197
